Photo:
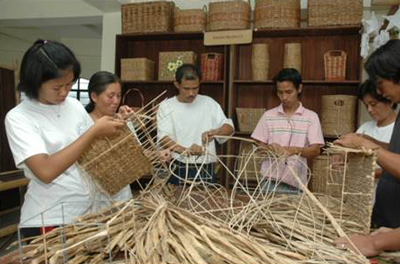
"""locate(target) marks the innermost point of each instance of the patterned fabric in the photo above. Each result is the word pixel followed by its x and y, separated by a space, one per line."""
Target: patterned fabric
pixel 300 130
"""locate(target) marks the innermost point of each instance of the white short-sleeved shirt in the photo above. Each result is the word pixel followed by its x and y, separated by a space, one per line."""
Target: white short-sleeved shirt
pixel 184 123
pixel 35 128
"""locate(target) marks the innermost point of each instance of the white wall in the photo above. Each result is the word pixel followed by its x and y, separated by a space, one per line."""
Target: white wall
pixel 88 53
pixel 111 27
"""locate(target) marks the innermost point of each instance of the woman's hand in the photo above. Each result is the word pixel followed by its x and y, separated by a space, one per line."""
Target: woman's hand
pixel 364 244
pixel 107 125
pixel 355 141
pixel 124 112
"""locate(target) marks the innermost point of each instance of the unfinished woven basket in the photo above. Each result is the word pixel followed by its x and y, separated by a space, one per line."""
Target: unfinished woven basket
pixel 147 17
pixel 248 166
pixel 189 20
pixel 260 62
pixel 277 14
pixel 113 162
pixel 338 114
pixel 292 56
pixel 319 176
pixel 226 15
pixel 334 12
pixel 248 118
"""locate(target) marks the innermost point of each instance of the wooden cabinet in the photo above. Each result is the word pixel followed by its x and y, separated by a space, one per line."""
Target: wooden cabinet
pixel 237 89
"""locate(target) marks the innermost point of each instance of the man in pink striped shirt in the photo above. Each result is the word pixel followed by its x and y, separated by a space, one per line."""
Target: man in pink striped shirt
pixel 290 130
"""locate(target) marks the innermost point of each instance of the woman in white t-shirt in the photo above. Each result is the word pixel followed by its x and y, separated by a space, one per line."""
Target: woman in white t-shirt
pixel 45 136
pixel 382 112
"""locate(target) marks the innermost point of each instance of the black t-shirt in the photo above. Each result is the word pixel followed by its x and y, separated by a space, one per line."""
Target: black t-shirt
pixel 386 210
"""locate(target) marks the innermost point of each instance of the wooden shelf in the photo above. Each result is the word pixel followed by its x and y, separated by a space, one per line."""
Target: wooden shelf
pixel 308 31
pixel 155 82
pixel 316 82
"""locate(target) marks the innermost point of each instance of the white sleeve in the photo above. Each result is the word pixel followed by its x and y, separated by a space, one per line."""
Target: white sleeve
pixel 219 119
pixel 24 138
pixel 165 125
pixel 363 128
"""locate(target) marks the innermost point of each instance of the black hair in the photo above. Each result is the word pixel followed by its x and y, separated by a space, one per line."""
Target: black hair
pixel 288 75
pixel 368 87
pixel 44 61
pixel 385 62
pixel 187 72
pixel 98 84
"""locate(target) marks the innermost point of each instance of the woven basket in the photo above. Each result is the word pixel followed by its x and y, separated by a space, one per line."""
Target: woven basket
pixel 277 14
pixel 319 177
pixel 190 20
pixel 260 62
pixel 229 15
pixel 113 162
pixel 138 92
pixel 334 12
pixel 338 114
pixel 351 181
pixel 292 56
pixel 138 69
pixel 335 65
pixel 248 118
pixel 147 17
pixel 248 166
pixel 211 66
pixel 170 61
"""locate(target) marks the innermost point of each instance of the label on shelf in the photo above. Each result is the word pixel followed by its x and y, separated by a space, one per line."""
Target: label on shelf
pixel 215 38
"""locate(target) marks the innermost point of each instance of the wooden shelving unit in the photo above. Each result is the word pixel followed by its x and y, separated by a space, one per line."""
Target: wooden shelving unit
pixel 237 89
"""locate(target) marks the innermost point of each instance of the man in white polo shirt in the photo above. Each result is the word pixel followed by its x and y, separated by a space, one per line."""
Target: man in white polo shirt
pixel 187 123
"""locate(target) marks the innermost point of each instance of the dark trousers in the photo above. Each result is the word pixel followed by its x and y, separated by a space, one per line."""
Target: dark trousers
pixel 206 173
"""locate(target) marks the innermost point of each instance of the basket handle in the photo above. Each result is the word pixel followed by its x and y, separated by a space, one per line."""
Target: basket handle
pixel 135 90
pixel 335 53
pixel 339 102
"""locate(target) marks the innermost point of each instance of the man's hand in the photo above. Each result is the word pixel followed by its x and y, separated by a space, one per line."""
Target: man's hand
pixel 208 136
pixel 195 150
pixel 278 149
pixel 165 155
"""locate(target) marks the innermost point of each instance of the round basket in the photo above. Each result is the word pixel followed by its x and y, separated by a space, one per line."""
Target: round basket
pixel 260 62
pixel 338 114
pixel 229 15
pixel 292 56
pixel 189 20
pixel 277 14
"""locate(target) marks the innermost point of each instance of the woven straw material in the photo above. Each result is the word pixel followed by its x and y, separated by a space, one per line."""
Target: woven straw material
pixel 170 61
pixel 248 165
pixel 147 17
pixel 229 15
pixel 320 168
pixel 277 14
pixel 352 182
pixel 248 118
pixel 292 56
pixel 338 114
pixel 260 62
pixel 334 12
pixel 113 162
pixel 138 69
pixel 335 65
pixel 211 66
pixel 189 20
